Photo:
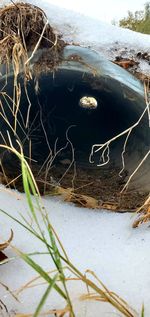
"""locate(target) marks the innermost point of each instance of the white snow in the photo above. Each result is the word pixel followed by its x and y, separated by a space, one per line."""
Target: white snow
pixel 89 32
pixel 78 28
pixel 109 40
pixel 101 241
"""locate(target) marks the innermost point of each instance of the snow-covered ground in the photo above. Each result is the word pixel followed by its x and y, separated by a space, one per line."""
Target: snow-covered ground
pixel 109 40
pixel 103 242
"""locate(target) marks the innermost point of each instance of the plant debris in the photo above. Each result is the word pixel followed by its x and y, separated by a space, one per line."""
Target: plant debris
pixel 90 188
pixel 3 246
pixel 144 216
pixel 22 27
pixel 3 257
pixel 131 65
pixel 131 60
pixel 125 63
pixel 22 24
pixel 95 188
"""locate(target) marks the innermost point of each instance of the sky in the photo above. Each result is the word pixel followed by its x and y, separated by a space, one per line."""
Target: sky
pixel 105 10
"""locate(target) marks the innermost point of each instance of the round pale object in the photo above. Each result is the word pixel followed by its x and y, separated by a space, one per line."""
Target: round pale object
pixel 88 102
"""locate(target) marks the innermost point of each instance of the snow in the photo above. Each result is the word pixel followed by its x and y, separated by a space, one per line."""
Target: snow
pixel 87 31
pixel 101 241
pixel 109 40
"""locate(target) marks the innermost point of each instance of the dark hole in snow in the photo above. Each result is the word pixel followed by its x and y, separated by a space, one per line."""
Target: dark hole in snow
pixel 59 112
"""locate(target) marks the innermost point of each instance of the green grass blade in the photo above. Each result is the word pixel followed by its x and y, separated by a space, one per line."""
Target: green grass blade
pixel 23 225
pixel 55 249
pixel 27 189
pixel 42 273
pixel 143 311
pixel 43 299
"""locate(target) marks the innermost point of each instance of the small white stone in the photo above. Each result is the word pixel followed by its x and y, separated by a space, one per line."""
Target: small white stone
pixel 88 102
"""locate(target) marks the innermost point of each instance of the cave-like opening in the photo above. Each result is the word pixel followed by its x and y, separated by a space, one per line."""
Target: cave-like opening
pixel 56 111
pixel 57 130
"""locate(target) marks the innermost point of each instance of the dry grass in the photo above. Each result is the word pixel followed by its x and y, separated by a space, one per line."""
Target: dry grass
pixel 4 245
pixel 57 253
pixel 23 23
pixel 24 28
pixel 104 150
pixel 144 210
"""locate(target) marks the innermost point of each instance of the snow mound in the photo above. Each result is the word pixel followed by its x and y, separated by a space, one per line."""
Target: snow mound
pixel 110 40
pixel 89 31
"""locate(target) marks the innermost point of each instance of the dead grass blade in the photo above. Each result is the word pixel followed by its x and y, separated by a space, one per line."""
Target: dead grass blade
pixel 5 245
